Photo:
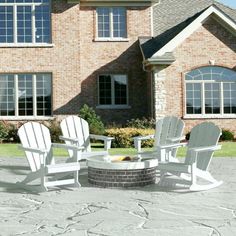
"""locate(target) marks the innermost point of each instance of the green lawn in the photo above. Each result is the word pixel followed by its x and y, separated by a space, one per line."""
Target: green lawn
pixel 11 150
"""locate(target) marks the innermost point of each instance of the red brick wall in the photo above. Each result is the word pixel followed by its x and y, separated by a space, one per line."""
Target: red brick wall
pixel 114 57
pixel 62 59
pixel 210 42
pixel 75 60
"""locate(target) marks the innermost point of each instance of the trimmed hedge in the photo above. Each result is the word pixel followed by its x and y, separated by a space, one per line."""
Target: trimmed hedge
pixel 124 137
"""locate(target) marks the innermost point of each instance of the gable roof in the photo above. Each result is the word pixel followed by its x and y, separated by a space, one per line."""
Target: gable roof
pixel 172 17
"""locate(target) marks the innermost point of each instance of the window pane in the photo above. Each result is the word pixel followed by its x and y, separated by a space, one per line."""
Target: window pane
pixel 103 16
pixel 119 22
pixel 42 23
pixel 44 94
pixel 6 24
pixel 212 98
pixel 25 94
pixel 105 90
pixel 120 84
pixel 229 98
pixel 193 98
pixel 24 24
pixel 7 98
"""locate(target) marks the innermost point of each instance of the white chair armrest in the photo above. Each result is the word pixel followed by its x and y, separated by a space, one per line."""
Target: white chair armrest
pixel 69 139
pixel 66 146
pixel 151 136
pixel 139 139
pixel 100 137
pixel 204 149
pixel 176 139
pixel 35 150
pixel 171 146
pixel 107 140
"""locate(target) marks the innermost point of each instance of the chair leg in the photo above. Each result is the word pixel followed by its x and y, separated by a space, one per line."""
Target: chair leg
pixel 76 177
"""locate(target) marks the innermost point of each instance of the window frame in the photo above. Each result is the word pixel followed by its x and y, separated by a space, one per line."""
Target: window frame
pixel 111 31
pixel 34 94
pixel 113 105
pixel 15 42
pixel 202 83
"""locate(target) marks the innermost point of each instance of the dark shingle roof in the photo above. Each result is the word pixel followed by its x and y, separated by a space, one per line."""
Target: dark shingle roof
pixel 170 13
pixel 170 17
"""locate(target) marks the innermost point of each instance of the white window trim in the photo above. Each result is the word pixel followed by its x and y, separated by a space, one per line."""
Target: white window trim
pixel 111 38
pixel 35 116
pixel 113 105
pixel 203 114
pixel 34 43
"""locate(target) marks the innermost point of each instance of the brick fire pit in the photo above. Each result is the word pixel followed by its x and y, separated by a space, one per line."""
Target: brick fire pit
pixel 108 172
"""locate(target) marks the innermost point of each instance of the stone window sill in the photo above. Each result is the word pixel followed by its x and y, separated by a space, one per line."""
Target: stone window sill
pixel 113 107
pixel 230 116
pixel 26 45
pixel 111 40
pixel 18 118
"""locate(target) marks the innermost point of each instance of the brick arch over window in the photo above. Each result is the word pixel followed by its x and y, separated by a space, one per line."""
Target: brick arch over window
pixel 210 91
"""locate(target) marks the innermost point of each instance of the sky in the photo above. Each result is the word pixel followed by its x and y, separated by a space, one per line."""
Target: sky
pixel 230 3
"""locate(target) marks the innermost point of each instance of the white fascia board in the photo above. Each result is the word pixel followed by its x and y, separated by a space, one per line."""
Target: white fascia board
pixel 114 2
pixel 179 38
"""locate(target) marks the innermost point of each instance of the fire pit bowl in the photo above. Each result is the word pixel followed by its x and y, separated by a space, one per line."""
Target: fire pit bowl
pixel 121 171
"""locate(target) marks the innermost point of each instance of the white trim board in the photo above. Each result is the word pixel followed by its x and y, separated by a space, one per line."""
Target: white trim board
pixel 179 38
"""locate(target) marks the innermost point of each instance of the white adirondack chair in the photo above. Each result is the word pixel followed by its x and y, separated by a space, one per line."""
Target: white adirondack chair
pixel 169 130
pixel 75 131
pixel 202 144
pixel 36 142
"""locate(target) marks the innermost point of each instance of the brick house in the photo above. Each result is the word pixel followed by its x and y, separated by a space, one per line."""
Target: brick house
pixel 125 58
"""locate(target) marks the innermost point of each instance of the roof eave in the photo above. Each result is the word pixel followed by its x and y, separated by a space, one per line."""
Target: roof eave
pixel 114 2
pixel 159 61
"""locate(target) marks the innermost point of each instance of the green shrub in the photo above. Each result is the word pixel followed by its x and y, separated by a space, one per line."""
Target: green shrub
pixel 3 132
pixel 123 137
pixel 143 123
pixel 55 130
pixel 96 125
pixel 226 135
pixel 12 133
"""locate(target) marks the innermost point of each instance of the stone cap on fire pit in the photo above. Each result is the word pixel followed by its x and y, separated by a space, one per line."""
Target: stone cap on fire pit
pixel 119 162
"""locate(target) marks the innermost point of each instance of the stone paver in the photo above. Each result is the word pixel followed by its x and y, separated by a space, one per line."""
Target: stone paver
pixel 97 211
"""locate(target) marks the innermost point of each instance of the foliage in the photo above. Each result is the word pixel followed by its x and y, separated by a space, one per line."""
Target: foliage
pixel 12 135
pixel 96 125
pixel 143 123
pixel 124 137
pixel 55 131
pixel 227 135
pixel 3 131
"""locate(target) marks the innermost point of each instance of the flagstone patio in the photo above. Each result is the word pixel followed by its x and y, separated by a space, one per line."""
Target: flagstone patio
pixel 89 210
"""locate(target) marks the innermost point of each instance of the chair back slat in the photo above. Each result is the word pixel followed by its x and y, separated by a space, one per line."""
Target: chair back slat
pixel 202 135
pixel 35 135
pixel 76 127
pixel 168 127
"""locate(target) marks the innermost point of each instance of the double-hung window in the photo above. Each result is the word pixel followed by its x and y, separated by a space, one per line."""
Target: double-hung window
pixel 111 23
pixel 25 21
pixel 113 90
pixel 210 91
pixel 24 95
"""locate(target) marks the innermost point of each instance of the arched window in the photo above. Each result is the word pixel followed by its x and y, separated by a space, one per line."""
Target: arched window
pixel 210 90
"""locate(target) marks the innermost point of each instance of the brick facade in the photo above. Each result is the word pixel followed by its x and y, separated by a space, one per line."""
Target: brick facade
pixel 210 42
pixel 75 60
